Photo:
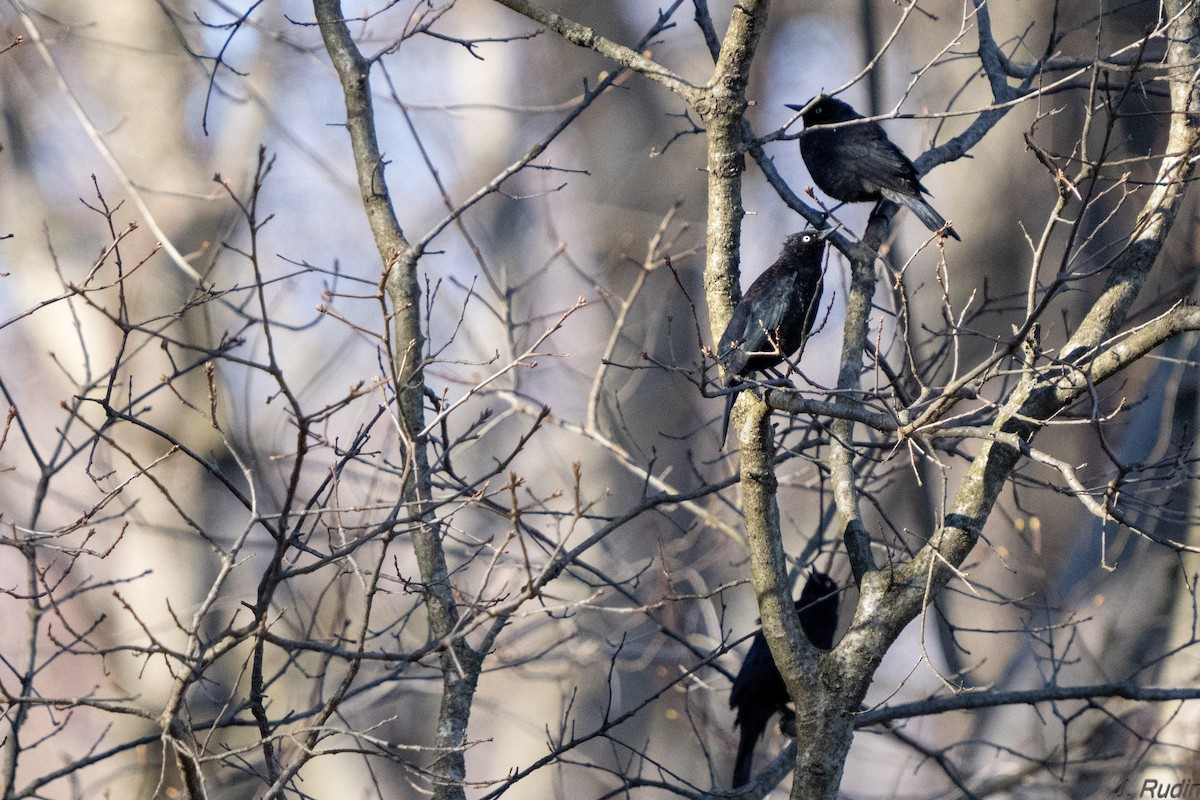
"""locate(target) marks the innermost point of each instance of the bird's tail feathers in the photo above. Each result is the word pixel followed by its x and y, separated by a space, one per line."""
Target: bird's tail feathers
pixel 730 399
pixel 928 215
pixel 752 731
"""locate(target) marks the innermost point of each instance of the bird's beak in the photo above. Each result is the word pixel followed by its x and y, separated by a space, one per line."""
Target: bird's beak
pixel 803 107
pixel 825 234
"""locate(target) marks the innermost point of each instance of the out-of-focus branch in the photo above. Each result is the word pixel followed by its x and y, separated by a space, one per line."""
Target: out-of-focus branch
pixel 102 147
pixel 493 186
pixel 654 248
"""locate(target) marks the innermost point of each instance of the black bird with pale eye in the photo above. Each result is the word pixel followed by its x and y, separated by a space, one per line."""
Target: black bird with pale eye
pixel 775 316
pixel 758 690
pixel 858 163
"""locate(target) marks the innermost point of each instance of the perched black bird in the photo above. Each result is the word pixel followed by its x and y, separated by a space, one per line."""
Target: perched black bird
pixel 857 163
pixel 775 315
pixel 758 690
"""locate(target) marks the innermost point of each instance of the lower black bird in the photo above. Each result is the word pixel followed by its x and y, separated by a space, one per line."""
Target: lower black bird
pixel 758 690
pixel 858 163
pixel 775 315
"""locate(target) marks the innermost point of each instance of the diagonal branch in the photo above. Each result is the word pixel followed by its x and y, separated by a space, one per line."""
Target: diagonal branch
pixel 583 36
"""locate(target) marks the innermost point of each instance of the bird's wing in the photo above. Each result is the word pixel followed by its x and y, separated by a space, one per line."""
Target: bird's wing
pixel 730 353
pixel 758 662
pixel 756 319
pixel 876 160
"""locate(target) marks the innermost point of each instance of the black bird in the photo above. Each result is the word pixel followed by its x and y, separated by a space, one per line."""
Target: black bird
pixel 776 314
pixel 858 163
pixel 758 690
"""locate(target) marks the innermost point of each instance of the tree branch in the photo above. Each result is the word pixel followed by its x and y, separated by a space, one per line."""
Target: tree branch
pixel 583 36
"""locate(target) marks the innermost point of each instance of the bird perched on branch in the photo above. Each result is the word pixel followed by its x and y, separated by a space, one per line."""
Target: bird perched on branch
pixel 775 316
pixel 856 163
pixel 758 690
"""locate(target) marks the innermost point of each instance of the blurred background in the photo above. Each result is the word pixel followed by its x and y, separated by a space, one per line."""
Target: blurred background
pixel 139 104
